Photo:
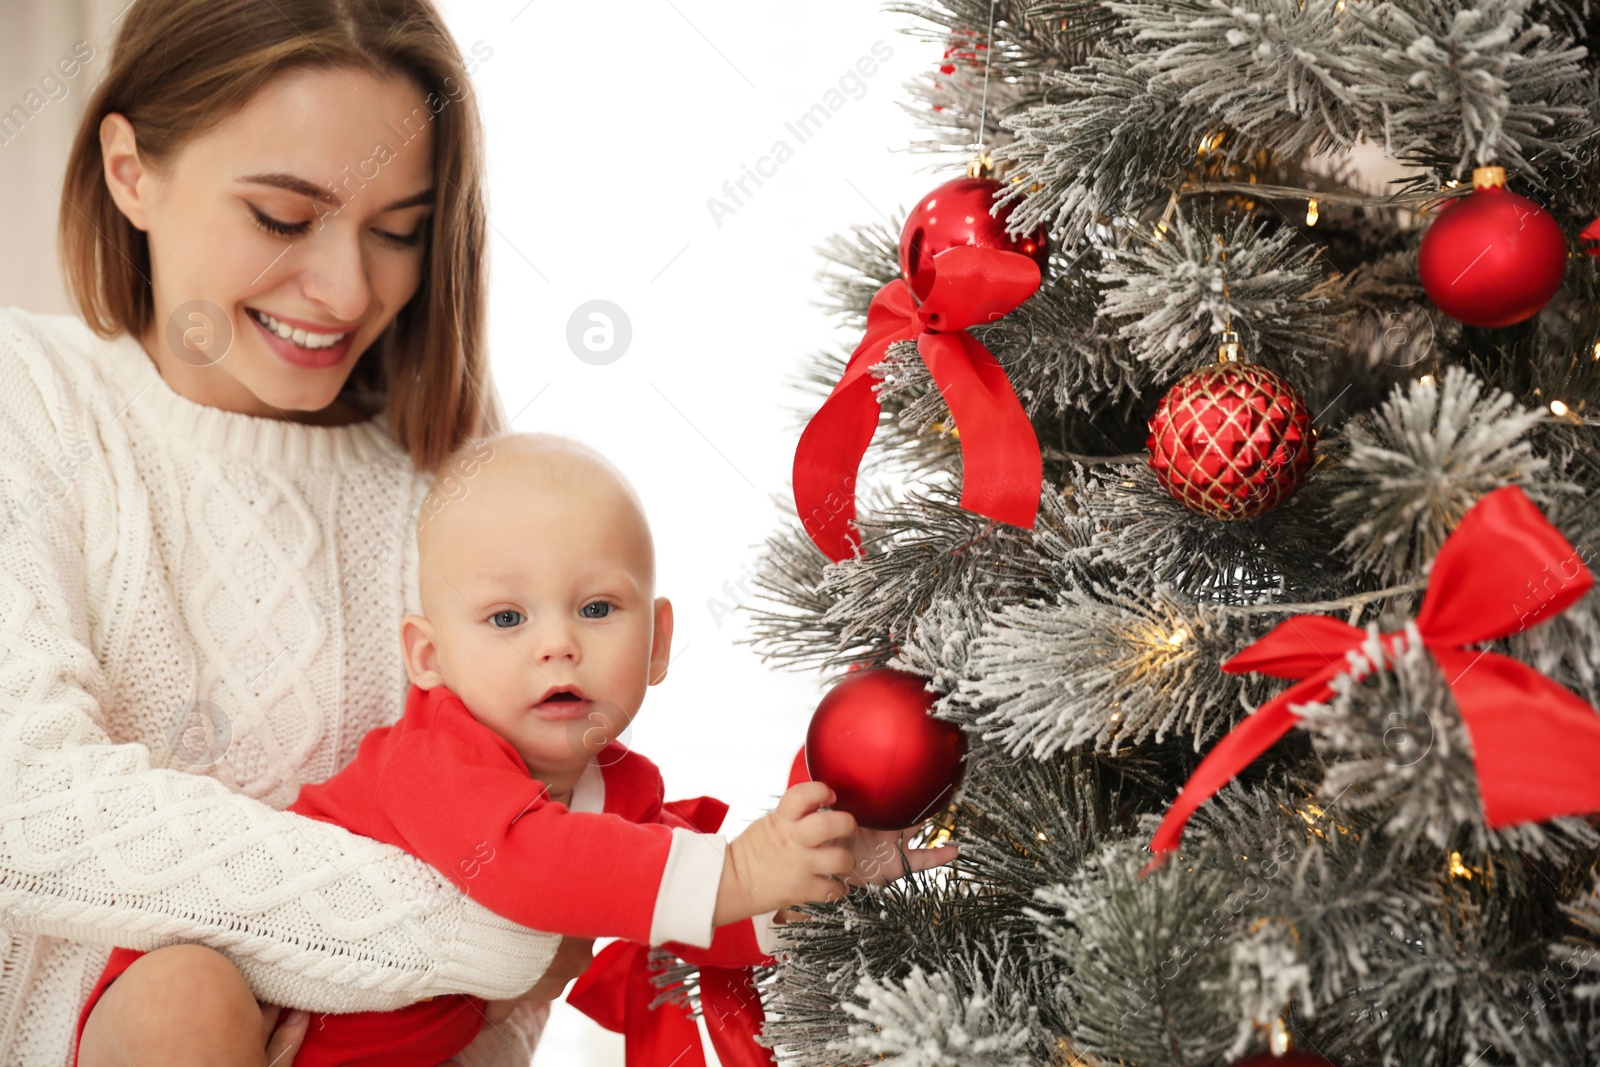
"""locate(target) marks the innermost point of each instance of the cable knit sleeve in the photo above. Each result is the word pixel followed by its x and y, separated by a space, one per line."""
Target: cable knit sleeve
pixel 99 846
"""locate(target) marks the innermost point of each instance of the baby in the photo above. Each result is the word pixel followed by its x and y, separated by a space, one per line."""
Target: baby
pixel 540 631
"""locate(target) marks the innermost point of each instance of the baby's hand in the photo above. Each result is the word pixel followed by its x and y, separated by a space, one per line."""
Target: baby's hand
pixel 786 855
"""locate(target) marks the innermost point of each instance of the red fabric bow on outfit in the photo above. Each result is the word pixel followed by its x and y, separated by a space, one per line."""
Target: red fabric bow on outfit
pixel 1536 746
pixel 615 991
pixel 1000 463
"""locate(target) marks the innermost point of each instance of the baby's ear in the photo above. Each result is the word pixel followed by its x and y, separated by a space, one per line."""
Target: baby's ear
pixel 421 654
pixel 661 640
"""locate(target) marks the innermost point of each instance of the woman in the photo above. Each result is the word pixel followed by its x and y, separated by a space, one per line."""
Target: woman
pixel 272 222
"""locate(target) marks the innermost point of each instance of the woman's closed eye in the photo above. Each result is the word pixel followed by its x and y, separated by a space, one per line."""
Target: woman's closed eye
pixel 296 229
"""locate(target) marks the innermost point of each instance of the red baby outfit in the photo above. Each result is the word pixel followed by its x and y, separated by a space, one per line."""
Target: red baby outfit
pixel 452 792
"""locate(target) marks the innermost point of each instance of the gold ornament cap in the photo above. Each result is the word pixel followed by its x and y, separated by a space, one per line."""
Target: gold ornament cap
pixel 981 166
pixel 1489 177
pixel 1228 351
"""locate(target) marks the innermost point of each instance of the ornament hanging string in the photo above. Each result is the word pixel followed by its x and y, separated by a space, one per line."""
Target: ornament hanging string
pixel 988 48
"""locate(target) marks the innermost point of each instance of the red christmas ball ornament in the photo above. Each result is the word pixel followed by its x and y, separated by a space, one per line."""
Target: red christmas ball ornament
pixel 1231 440
pixel 888 762
pixel 1492 258
pixel 954 214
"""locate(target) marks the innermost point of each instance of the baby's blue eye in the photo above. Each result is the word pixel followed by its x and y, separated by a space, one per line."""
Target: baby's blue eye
pixel 499 614
pixel 596 604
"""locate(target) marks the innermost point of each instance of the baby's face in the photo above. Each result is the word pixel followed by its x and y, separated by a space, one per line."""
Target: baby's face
pixel 532 592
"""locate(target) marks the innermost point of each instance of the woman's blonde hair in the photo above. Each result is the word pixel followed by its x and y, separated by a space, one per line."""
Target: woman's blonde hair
pixel 180 67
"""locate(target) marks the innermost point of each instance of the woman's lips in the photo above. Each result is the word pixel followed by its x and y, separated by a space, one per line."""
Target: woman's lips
pixel 562 709
pixel 313 358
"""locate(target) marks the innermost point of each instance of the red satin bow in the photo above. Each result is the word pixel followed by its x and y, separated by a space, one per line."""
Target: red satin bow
pixel 1536 746
pixel 615 991
pixel 1001 467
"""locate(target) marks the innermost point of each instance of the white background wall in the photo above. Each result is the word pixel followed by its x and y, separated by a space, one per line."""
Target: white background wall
pixel 608 128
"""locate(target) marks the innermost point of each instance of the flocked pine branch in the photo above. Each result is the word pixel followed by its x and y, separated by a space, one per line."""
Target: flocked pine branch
pixel 935 1021
pixel 1420 461
pixel 1470 85
pixel 1172 297
pixel 1109 666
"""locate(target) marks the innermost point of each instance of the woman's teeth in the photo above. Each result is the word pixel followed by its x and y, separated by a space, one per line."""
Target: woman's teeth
pixel 298 336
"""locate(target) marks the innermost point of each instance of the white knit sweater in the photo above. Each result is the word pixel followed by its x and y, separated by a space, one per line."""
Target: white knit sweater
pixel 198 613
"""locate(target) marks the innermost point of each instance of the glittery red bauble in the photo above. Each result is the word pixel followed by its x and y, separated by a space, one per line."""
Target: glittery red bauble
pixel 890 764
pixel 1492 258
pixel 1293 1058
pixel 1231 440
pixel 955 214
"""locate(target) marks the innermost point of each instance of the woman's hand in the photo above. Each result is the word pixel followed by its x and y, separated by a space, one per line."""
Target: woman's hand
pixel 572 958
pixel 283 1032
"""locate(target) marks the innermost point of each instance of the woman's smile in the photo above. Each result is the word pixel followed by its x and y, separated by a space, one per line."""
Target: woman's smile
pixel 299 345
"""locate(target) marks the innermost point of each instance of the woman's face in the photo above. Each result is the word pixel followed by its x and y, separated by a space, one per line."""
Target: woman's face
pixel 339 267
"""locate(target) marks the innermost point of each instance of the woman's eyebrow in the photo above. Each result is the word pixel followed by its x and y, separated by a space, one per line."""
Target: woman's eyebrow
pixel 294 184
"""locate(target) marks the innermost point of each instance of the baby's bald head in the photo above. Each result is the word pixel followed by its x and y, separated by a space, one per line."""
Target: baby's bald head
pixel 517 478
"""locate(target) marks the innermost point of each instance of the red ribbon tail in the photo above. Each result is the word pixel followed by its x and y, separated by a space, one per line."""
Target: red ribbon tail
pixel 1297 648
pixel 600 992
pixel 1535 744
pixel 731 1006
pixel 1240 748
pixel 1001 470
pixel 831 446
pixel 615 991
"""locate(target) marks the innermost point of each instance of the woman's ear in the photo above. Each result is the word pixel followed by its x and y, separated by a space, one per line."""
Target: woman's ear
pixel 126 176
pixel 661 640
pixel 421 654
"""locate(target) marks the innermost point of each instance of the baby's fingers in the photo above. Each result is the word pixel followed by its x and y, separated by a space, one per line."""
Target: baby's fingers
pixel 803 799
pixel 823 826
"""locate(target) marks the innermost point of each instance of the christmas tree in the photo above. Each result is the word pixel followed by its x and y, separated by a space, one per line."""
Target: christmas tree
pixel 1293 434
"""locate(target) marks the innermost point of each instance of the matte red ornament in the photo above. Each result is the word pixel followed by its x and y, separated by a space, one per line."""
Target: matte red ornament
pixel 1292 1058
pixel 957 214
pixel 872 741
pixel 1231 440
pixel 1492 258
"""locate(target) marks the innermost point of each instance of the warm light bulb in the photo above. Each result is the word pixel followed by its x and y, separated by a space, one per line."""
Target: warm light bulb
pixel 1311 212
pixel 1557 408
pixel 1178 638
pixel 1427 379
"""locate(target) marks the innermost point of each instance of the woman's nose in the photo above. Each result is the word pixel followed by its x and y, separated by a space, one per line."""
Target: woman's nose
pixel 336 276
